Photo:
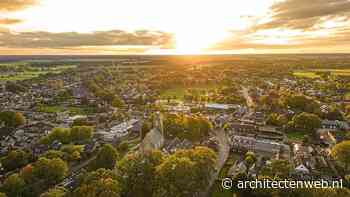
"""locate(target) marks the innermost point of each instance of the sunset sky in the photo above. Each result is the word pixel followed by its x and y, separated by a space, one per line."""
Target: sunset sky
pixel 174 27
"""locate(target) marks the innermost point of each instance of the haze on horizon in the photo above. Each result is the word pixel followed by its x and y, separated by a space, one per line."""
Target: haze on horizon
pixel 54 27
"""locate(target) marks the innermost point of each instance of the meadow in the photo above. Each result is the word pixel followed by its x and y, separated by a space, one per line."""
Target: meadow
pixel 20 71
pixel 315 73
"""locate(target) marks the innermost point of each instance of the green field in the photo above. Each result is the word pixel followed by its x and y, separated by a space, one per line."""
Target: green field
pixel 311 75
pixel 33 73
pixel 71 110
pixel 314 73
pixel 295 136
pixel 179 92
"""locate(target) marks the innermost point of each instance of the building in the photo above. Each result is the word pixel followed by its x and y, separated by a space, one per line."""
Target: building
pixel 155 138
pixel 334 125
pixel 268 147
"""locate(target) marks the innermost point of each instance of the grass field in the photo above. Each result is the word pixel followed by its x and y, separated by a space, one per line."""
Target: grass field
pixel 179 92
pixel 72 110
pixel 295 136
pixel 313 73
pixel 20 76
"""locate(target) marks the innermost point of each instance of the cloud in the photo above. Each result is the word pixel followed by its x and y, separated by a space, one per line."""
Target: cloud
pixel 15 5
pixel 43 39
pixel 9 21
pixel 305 14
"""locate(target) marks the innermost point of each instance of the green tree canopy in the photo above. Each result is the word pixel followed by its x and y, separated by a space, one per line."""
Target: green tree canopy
pixel 15 159
pixel 341 152
pixel 100 183
pixel 12 119
pixel 56 192
pixel 106 158
pixel 306 122
pixel 51 170
pixel 14 186
pixel 186 173
pixel 137 173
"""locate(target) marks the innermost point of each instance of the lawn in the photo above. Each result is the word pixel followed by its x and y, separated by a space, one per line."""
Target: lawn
pixel 28 74
pixel 313 73
pixel 72 110
pixel 307 74
pixel 51 109
pixel 295 136
pixel 179 92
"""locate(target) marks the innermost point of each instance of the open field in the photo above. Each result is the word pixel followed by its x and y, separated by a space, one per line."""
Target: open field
pixel 179 92
pixel 72 110
pixel 314 73
pixel 31 72
pixel 295 136
pixel 311 75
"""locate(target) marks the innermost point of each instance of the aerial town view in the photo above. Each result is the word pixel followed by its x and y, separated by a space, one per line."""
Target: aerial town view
pixel 116 98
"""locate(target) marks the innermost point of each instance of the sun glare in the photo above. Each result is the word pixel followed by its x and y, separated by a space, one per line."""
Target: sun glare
pixel 196 42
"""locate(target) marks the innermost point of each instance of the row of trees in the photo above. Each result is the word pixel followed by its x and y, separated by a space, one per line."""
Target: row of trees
pixel 185 173
pixel 12 119
pixel 16 159
pixel 69 135
pixel 193 128
pixel 35 178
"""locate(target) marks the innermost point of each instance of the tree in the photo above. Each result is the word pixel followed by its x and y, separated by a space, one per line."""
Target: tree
pixel 51 170
pixel 14 186
pixel 306 122
pixel 137 175
pixel 12 119
pixel 177 178
pixel 301 103
pixel 81 133
pixel 62 135
pixel 279 168
pixel 186 173
pixel 51 154
pixel 15 159
pixel 27 174
pixel 118 102
pixel 106 158
pixel 146 127
pixel 100 183
pixel 56 192
pixel 341 152
pixel 250 159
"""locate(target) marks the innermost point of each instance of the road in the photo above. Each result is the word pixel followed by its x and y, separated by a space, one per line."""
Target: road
pixel 250 102
pixel 74 171
pixel 224 152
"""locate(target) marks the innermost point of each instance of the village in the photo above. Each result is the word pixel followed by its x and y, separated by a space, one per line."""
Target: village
pixel 251 124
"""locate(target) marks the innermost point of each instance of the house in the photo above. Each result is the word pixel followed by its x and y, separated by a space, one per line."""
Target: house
pixel 244 128
pixel 56 145
pixel 326 138
pixel 334 125
pixel 217 106
pixel 302 169
pixel 303 155
pixel 237 168
pixel 263 146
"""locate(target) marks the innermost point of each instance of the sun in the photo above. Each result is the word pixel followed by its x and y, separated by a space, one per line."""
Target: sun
pixel 197 41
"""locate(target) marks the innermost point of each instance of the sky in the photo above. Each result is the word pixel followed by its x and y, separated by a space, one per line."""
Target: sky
pixel 113 27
